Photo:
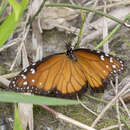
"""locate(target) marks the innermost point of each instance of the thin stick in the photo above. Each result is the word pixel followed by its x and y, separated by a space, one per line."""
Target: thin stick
pixel 94 113
pixel 49 109
pixel 10 75
pixel 124 105
pixel 67 119
pixel 117 105
pixel 121 100
pixel 109 105
pixel 70 120
pixel 112 127
pixel 37 13
pixel 4 81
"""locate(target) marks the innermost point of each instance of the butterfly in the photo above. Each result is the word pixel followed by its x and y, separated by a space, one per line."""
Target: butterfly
pixel 68 74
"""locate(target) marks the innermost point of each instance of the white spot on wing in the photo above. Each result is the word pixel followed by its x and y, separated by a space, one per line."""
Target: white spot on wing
pixel 25 83
pixel 102 57
pixel 113 66
pixel 13 82
pixel 122 65
pixel 114 71
pixel 122 68
pixel 40 83
pixel 23 76
pixel 25 70
pixel 28 87
pixel 121 61
pixel 111 59
pixel 33 71
pixel 107 66
pixel 106 54
pixel 34 63
pixel 33 80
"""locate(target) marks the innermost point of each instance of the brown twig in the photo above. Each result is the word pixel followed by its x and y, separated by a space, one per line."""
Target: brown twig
pixel 67 119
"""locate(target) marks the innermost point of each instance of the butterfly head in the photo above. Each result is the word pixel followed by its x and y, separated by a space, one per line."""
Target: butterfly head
pixel 69 53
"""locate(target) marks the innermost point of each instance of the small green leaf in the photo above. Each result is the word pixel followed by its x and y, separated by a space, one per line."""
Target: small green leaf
pixel 10 23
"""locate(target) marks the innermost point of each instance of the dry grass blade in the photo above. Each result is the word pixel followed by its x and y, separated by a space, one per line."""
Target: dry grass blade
pixel 10 75
pixel 4 81
pixel 26 110
pixel 117 104
pixel 87 107
pixel 112 127
pixel 105 31
pixel 124 105
pixel 124 97
pixel 109 105
pixel 98 24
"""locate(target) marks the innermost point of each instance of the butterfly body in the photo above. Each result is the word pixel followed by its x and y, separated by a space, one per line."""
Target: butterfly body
pixel 68 73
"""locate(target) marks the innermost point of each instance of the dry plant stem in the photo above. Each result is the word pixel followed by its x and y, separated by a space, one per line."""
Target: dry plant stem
pixel 118 114
pixel 37 29
pixel 87 21
pixel 87 9
pixel 73 30
pixel 117 105
pixel 112 127
pixel 98 24
pixel 105 31
pixel 124 105
pixel 70 120
pixel 86 107
pixel 86 25
pixel 19 50
pixel 4 81
pixel 115 88
pixel 24 56
pixel 3 78
pixel 89 3
pixel 14 62
pixel 25 114
pixel 67 119
pixel 127 25
pixel 121 100
pixel 49 109
pixel 26 110
pixel 72 2
pixel 109 105
pixel 127 2
pixel 10 44
pixel 11 75
pixel 24 36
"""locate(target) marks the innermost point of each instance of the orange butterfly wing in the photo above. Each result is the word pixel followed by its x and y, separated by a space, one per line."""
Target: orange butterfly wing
pixel 63 76
pixel 97 67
